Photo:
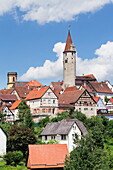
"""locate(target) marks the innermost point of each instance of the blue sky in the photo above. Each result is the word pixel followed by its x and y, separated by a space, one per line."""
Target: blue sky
pixel 31 42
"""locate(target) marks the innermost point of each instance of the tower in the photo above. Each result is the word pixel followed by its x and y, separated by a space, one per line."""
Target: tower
pixel 69 63
pixel 11 79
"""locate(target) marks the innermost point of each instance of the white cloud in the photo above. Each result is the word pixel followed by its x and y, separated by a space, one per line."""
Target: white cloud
pixel 101 66
pixel 45 11
pixel 49 69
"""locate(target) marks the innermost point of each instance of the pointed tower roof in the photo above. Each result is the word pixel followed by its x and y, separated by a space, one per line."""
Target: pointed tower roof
pixel 69 43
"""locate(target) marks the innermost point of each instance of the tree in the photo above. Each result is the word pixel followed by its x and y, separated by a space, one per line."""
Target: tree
pixel 106 99
pixel 2 117
pixel 19 138
pixel 25 116
pixel 87 156
pixel 29 121
pixel 14 157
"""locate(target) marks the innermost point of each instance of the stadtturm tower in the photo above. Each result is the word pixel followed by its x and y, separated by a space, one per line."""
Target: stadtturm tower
pixel 69 63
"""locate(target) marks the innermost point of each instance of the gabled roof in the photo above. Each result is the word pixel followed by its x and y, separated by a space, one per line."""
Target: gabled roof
pixel 96 99
pixel 34 83
pixel 71 96
pixel 100 87
pixel 68 42
pixel 22 91
pixel 37 93
pixel 47 156
pixel 111 100
pixel 2 107
pixel 6 91
pixel 8 97
pixel 68 89
pixel 57 85
pixel 19 83
pixel 63 127
pixel 15 104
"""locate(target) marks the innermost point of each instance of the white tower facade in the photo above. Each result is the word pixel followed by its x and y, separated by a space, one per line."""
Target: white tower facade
pixel 69 63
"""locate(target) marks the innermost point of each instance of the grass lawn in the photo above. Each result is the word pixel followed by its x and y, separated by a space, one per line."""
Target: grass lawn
pixel 3 166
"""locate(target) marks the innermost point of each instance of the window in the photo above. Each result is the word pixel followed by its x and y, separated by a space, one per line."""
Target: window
pixel 66 61
pixel 52 137
pixel 53 101
pixel 44 110
pixel 85 102
pixel 63 137
pixel 79 108
pixel 48 93
pixel 49 101
pixel 44 101
pixel 91 108
pixel 45 137
pixel 85 108
pixel 13 78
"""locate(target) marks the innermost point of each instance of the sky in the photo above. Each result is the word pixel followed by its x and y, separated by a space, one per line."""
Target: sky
pixel 33 35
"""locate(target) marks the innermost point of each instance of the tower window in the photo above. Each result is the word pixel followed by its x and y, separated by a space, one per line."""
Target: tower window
pixel 13 78
pixel 66 61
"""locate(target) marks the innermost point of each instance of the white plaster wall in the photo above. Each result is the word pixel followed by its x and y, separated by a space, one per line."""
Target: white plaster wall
pixel 34 103
pixel 100 104
pixel 69 138
pixel 2 142
pixel 89 111
pixel 15 112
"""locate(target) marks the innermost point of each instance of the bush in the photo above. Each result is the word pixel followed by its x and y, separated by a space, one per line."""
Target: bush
pixel 14 157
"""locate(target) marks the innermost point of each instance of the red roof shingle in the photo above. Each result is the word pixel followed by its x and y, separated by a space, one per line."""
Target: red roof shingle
pixel 15 104
pixel 36 93
pixel 34 83
pixel 68 42
pixel 47 156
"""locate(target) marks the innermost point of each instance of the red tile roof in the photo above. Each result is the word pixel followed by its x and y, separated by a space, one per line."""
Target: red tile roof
pixel 100 87
pixel 68 42
pixel 22 91
pixel 70 96
pixel 36 93
pixel 68 89
pixel 8 97
pixel 96 99
pixel 111 100
pixel 90 75
pixel 6 91
pixel 1 108
pixel 15 104
pixel 57 85
pixel 34 83
pixel 47 156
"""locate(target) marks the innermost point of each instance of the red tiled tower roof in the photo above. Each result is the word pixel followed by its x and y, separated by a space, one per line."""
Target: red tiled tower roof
pixel 68 42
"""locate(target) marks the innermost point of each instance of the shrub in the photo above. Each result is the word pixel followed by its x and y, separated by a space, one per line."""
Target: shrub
pixel 14 157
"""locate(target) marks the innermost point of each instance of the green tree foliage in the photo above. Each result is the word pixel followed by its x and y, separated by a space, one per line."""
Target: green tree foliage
pixel 6 127
pixel 19 138
pixel 53 141
pixel 2 117
pixel 106 99
pixel 29 121
pixel 23 109
pixel 25 116
pixel 87 156
pixel 14 157
pixel 43 122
